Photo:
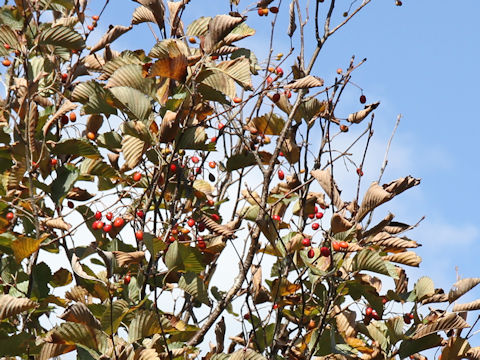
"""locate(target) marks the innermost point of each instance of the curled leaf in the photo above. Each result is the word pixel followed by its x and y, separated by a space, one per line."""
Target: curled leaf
pixel 328 185
pixel 218 28
pixel 473 305
pixel 339 224
pixel 78 269
pixel 142 14
pixel 358 117
pixel 11 306
pixel 112 34
pixel 461 287
pixel 79 194
pixel 306 82
pixel 443 323
pixel 292 26
pixel 128 258
pixel 57 223
pixel 80 313
pixel 65 108
pixel 169 127
pixel 406 258
pixel 217 228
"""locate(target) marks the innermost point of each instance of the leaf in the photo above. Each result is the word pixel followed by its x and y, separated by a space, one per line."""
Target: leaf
pixel 96 167
pixel 246 354
pixel 158 10
pixel 345 321
pixel 145 324
pixel 239 70
pixel 132 101
pixel 409 258
pixel 112 34
pixel 242 160
pixel 194 138
pixel 67 175
pixel 218 28
pixel 24 246
pixel 61 277
pixel 216 228
pixel 238 33
pixel 142 14
pixel 57 223
pixel 292 26
pixel 80 313
pixel 203 186
pixel 410 347
pixel 473 353
pixel 79 147
pixel 371 261
pixel 78 269
pixel 424 288
pixel 194 285
pixel 172 60
pixel 113 316
pixel 377 195
pixel 328 185
pixel 50 350
pixel 65 108
pixel 16 345
pixel 128 258
pixel 247 53
pixel 461 287
pixel 133 149
pixel 125 58
pixel 474 305
pixel 357 118
pixel 443 323
pixel 392 243
pixel 79 194
pixel 62 36
pixel 169 127
pixel 130 75
pixel 183 258
pixel 218 81
pixel 306 82
pixel 11 306
pixel 339 224
pixel 199 27
pixel 8 36
pixel 268 124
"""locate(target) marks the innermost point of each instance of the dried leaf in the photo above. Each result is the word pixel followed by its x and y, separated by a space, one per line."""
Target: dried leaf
pixel 217 228
pixel 24 246
pixel 94 123
pixel 461 287
pixel 79 194
pixel 11 306
pixel 392 243
pixel 169 127
pixel 218 28
pixel 292 26
pixel 57 223
pixel 77 269
pixel 473 305
pixel 473 353
pixel 401 284
pixel 142 14
pixel 377 195
pixel 176 24
pixel 79 294
pixel 128 258
pixel 339 224
pixel 443 323
pixel 306 82
pixel 112 34
pixel 329 186
pixel 66 107
pixel 158 10
pixel 172 60
pixel 346 323
pixel 80 313
pixel 357 118
pixel 437 298
pixel 133 149
pixel 406 258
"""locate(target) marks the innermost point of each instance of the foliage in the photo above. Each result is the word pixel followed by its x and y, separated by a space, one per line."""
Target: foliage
pixel 139 169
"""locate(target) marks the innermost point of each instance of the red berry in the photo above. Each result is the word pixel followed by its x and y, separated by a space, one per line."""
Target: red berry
pixel 171 239
pixel 269 80
pixel 343 244
pixel 109 216
pixel 140 214
pixel 363 99
pixel 384 301
pixel 246 316
pixel 215 217
pixel 288 94
pixel 10 216
pixel 201 226
pixel 126 279
pixel 212 164
pixel 325 251
pixel 279 71
pixel 6 46
pixel 275 306
pixel 237 100
pixel 191 222
pixel 276 97
pixel 281 174
pixel 107 228
pixel 319 215
pixel 343 128
pixel 276 218
pixel 315 226
pixel 213 139
pixel 64 77
pixel 98 215
pixel 137 176
pixel 280 153
pixel 139 235
pixel 97 225
pixel 119 222
pixel 201 243
pixel 410 315
pixel 336 246
pixel 173 168
pixel 311 216
pixel 316 209
pixel 64 119
pixel 53 162
pixel 359 172
pixel 369 311
pixel 311 253
pixel 274 9
pixel 6 62
pixel 214 57
pixel 221 126
pixel 306 242
pixel 90 27
pixel 375 315
pixel 195 159
pixel 95 17
pixel 70 204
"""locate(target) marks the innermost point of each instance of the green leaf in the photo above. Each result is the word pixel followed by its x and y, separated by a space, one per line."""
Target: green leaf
pixel 184 258
pixel 12 17
pixel 113 316
pixel 132 101
pixel 424 287
pixel 193 285
pixel 268 124
pixel 96 167
pixel 145 324
pixel 254 67
pixel 67 175
pixel 239 70
pixel 80 147
pixel 199 27
pixel 42 275
pixel 94 97
pixel 131 75
pixel 61 277
pixel 154 245
pixel 193 138
pixel 410 346
pixel 371 261
pixel 110 140
pixel 62 36
pixel 218 81
pixel 218 295
pixel 16 345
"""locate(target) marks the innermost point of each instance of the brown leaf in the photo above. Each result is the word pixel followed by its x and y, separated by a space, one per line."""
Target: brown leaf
pixel 94 123
pixel 438 297
pixel 290 148
pixel 142 14
pixel 370 280
pixel 218 28
pixel 461 287
pixel 406 258
pixel 172 64
pixel 11 306
pixel 473 353
pixel 57 223
pixel 80 313
pixel 220 335
pixel 401 284
pixel 306 82
pixel 377 195
pixel 129 258
pixel 292 26
pixel 329 186
pixel 339 224
pixel 65 108
pixel 79 194
pixel 379 227
pixel 169 127
pixel 176 24
pixel 94 62
pixel 357 117
pixel 158 10
pixel 443 323
pixel 473 305
pixel 113 33
pixel 133 149
pixel 217 228
pixel 346 323
pixel 392 243
pixel 79 294
pixel 24 246
pixel 77 269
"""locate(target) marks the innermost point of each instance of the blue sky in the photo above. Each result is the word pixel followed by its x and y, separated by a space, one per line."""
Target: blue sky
pixel 422 63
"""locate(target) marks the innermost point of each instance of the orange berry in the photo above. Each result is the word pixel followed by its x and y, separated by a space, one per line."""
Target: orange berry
pixel 6 62
pixel 212 164
pixel 343 128
pixel 336 246
pixel 339 71
pixel 6 46
pixel 192 40
pixel 73 117
pixel 343 245
pixel 237 100
pixel 91 135
pixel 137 176
pixel 90 27
pixel 95 17
pixel 139 235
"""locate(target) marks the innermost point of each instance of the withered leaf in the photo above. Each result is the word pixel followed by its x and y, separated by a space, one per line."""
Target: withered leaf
pixel 306 82
pixel 79 194
pixel 128 258
pixel 328 185
pixel 219 27
pixel 358 117
pixel 112 34
pixel 65 108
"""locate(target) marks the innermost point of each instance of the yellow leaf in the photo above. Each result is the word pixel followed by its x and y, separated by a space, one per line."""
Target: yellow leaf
pixel 24 246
